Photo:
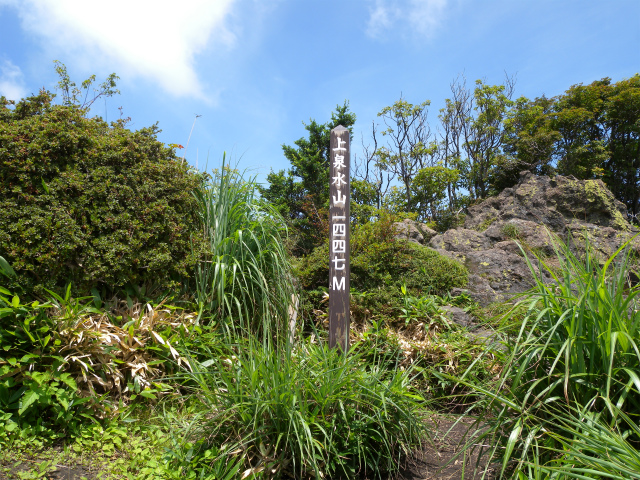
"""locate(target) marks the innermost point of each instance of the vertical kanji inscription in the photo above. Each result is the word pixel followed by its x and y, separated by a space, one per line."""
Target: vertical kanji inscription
pixel 339 241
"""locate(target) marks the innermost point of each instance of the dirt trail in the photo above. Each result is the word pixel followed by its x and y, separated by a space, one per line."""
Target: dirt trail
pixel 432 462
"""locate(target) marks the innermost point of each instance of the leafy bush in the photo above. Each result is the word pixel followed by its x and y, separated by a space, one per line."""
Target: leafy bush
pixel 60 359
pixel 572 371
pixel 388 265
pixel 425 309
pixel 379 346
pixel 432 356
pixel 33 387
pixel 91 203
pixel 382 264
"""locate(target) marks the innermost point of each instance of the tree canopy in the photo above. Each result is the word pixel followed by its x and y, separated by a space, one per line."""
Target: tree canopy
pixel 301 193
pixel 482 139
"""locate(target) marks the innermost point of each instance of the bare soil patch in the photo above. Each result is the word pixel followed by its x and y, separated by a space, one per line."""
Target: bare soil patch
pixel 436 461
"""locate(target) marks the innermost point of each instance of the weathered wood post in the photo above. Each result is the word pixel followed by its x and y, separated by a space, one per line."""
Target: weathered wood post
pixel 339 239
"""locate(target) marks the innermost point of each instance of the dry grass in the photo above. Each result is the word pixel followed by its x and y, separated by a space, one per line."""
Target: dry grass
pixel 123 348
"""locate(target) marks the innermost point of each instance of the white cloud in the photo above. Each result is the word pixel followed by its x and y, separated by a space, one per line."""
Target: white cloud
pixel 156 39
pixel 12 83
pixel 421 17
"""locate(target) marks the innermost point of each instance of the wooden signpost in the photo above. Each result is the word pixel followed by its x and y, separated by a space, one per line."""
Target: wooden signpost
pixel 339 239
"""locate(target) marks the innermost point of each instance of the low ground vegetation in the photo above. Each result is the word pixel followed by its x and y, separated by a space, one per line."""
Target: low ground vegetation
pixel 220 368
pixel 568 374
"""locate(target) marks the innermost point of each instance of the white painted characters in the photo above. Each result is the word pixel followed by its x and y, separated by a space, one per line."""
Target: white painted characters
pixel 337 265
pixel 339 180
pixel 338 162
pixel 339 222
pixel 340 199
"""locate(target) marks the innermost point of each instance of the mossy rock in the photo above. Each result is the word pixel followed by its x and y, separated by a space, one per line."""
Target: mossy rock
pixel 552 201
pixel 597 193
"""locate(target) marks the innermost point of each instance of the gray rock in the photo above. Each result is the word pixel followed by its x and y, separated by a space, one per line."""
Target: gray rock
pixel 427 233
pixel 459 291
pixel 506 273
pixel 509 246
pixel 413 231
pixel 604 240
pixel 458 315
pixel 460 240
pixel 481 291
pixel 534 214
pixel 553 202
pixel 538 237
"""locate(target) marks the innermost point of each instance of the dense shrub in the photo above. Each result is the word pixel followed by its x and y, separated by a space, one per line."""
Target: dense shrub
pixel 89 202
pixel 382 264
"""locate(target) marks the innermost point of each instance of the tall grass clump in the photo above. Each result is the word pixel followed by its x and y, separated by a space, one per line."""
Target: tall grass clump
pixel 312 413
pixel 585 445
pixel 568 400
pixel 243 277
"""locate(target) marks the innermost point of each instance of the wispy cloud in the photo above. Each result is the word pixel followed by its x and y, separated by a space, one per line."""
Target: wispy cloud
pixel 419 17
pixel 155 39
pixel 12 83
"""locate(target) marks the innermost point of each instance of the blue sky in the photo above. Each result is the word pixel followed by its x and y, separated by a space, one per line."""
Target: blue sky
pixel 255 70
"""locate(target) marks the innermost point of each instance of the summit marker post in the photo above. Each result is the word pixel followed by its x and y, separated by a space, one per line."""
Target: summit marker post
pixel 339 268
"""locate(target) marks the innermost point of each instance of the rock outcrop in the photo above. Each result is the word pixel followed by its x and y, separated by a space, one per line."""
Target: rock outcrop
pixel 532 214
pixel 413 231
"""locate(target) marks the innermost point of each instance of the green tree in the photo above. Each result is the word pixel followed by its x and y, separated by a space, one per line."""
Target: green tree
pixel 72 95
pixel 370 175
pixel 622 120
pixel 450 144
pixel 409 145
pixel 474 131
pixel 578 117
pixel 589 131
pixel 529 142
pixel 302 193
pixel 364 201
pixel 429 188
pixel 285 194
